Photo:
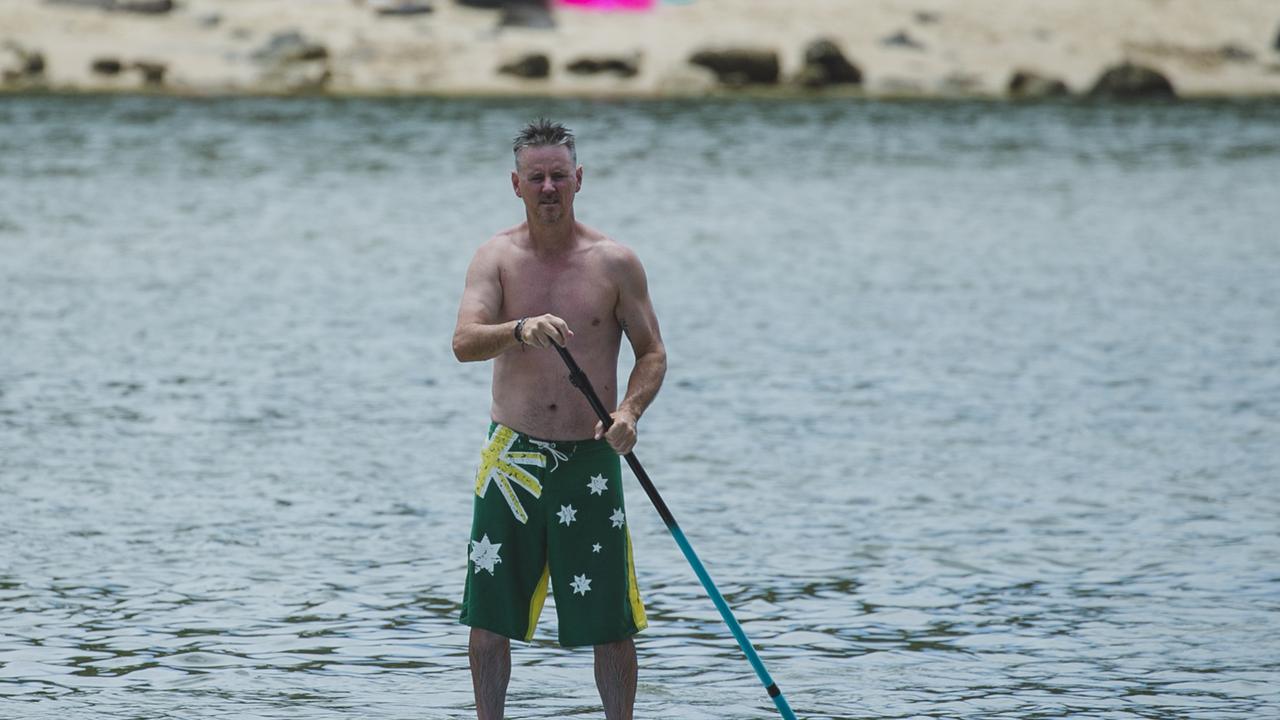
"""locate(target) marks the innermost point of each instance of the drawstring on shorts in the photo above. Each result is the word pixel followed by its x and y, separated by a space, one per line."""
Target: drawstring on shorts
pixel 550 449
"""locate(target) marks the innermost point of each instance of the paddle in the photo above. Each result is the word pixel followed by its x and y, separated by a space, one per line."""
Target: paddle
pixel 580 381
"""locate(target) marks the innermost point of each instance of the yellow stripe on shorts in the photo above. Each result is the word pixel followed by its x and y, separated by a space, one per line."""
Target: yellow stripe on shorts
pixel 535 602
pixel 633 590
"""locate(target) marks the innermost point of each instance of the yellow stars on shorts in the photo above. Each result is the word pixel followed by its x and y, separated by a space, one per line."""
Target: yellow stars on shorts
pixel 499 465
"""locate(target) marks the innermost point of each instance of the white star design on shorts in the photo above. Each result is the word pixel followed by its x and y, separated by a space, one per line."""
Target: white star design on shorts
pixel 618 517
pixel 581 584
pixel 485 554
pixel 595 548
pixel 598 484
pixel 567 514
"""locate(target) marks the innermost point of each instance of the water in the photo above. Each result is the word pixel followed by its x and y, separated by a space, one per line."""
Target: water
pixel 972 409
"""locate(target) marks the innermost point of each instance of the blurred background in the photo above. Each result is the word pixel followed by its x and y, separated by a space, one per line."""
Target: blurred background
pixel 974 388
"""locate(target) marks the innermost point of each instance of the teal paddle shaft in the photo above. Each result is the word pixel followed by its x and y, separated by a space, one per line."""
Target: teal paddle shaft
pixel 580 381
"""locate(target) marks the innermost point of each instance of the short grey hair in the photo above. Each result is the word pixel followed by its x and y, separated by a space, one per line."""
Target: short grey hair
pixel 544 133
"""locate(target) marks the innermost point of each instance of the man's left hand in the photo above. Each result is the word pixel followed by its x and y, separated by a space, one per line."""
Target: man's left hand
pixel 621 436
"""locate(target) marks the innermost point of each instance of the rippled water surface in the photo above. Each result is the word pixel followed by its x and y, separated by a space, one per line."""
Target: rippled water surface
pixel 973 409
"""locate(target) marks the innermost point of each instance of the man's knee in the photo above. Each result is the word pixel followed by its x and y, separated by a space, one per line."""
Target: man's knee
pixel 484 641
pixel 625 646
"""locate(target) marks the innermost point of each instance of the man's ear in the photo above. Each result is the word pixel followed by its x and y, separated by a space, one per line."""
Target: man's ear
pixel 515 182
pixel 578 175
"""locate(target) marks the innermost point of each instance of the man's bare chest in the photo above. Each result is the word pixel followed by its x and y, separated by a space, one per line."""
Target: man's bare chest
pixel 573 292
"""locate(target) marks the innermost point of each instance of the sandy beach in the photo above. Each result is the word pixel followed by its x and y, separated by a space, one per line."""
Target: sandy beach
pixel 926 48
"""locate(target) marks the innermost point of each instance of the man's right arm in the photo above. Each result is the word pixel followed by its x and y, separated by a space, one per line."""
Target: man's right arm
pixel 478 334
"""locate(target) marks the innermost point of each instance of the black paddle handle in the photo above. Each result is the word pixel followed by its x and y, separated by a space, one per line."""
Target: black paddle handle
pixel 580 380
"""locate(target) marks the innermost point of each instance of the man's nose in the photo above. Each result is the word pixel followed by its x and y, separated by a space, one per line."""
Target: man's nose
pixel 547 186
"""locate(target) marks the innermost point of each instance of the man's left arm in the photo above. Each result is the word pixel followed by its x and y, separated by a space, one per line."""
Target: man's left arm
pixel 639 323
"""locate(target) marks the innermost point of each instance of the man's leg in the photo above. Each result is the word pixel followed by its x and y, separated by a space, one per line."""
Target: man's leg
pixel 616 678
pixel 490 655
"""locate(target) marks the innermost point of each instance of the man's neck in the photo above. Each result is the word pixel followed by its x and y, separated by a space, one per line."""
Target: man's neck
pixel 554 238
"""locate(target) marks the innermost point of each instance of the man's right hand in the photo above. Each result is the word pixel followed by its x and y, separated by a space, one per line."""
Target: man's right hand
pixel 543 330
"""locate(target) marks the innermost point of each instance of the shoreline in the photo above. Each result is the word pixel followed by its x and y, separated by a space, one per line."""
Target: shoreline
pixel 873 49
pixel 749 95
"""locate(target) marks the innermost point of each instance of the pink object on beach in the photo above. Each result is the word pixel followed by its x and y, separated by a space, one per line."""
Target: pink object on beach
pixel 608 5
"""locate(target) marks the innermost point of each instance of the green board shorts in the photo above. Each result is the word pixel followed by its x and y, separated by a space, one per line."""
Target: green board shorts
pixel 550 511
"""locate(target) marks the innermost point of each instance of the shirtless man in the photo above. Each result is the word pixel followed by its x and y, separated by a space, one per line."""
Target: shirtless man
pixel 549 500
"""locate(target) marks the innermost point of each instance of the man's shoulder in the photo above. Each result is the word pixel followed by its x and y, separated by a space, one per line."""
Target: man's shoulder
pixel 504 241
pixel 612 253
pixel 510 236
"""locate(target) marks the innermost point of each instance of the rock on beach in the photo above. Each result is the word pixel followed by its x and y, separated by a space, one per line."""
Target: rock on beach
pixel 1027 84
pixel 20 66
pixel 737 67
pixel 1129 81
pixel 825 64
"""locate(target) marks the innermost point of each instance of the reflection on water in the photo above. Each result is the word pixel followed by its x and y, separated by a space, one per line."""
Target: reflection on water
pixel 972 407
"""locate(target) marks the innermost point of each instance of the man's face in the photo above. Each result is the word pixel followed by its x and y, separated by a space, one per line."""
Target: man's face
pixel 546 180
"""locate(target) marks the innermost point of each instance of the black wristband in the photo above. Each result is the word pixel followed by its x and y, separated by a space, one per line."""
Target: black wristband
pixel 519 331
